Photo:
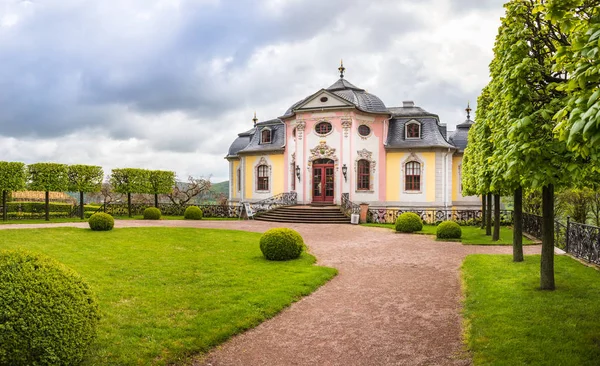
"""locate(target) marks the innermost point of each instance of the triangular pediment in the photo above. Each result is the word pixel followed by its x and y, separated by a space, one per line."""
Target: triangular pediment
pixel 324 99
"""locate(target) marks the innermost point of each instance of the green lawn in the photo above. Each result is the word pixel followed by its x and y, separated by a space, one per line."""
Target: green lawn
pixel 509 321
pixel 135 217
pixel 167 293
pixel 471 235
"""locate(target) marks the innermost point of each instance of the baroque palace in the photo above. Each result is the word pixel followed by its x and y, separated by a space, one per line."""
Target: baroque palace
pixel 343 139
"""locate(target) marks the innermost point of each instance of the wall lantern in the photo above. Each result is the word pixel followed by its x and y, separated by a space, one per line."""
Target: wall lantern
pixel 298 172
pixel 345 172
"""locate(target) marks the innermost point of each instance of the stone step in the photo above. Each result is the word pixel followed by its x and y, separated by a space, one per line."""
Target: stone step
pixel 304 214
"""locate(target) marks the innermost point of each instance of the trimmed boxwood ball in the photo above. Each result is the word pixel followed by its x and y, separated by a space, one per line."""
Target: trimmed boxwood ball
pixel 101 222
pixel 152 213
pixel 192 213
pixel 281 244
pixel 409 222
pixel 448 230
pixel 48 314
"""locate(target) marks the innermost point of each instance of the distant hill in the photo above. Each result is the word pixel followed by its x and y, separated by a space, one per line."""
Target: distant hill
pixel 222 187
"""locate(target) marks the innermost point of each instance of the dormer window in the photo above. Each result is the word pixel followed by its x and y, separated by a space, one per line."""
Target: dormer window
pixel 413 130
pixel 265 136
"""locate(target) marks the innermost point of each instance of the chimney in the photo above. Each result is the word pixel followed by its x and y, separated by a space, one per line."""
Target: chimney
pixel 408 104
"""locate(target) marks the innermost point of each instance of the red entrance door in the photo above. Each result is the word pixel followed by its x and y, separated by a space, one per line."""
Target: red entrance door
pixel 323 180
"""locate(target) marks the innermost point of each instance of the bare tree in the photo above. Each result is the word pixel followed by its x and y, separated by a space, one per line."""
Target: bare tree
pixel 184 192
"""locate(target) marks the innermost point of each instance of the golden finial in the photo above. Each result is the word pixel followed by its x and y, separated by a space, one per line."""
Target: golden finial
pixel 254 119
pixel 341 68
pixel 468 111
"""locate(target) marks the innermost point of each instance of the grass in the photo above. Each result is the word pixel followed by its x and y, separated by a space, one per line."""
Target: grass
pixel 168 293
pixel 509 321
pixel 76 219
pixel 471 235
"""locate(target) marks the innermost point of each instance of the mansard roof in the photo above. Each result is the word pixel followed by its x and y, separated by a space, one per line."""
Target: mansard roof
pixel 459 137
pixel 344 89
pixel 249 141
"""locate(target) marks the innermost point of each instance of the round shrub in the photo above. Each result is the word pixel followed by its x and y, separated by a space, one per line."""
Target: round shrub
pixel 281 244
pixel 409 222
pixel 192 213
pixel 448 230
pixel 152 213
pixel 48 314
pixel 101 222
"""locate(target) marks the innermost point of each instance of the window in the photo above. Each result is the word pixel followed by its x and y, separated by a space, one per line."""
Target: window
pixel 324 99
pixel 323 128
pixel 262 178
pixel 413 130
pixel 412 181
pixel 364 176
pixel 364 130
pixel 239 180
pixel 265 136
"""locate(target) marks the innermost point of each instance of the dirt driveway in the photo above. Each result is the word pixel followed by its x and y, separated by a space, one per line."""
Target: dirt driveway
pixel 396 301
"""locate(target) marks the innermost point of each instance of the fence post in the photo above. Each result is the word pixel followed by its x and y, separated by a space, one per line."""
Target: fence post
pixel 567 234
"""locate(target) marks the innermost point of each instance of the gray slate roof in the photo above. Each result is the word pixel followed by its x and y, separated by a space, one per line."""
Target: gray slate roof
pixel 249 141
pixel 458 137
pixel 430 134
pixel 346 90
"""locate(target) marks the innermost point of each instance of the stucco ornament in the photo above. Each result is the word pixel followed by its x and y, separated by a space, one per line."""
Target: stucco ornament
pixel 300 125
pixel 346 124
pixel 323 151
pixel 365 154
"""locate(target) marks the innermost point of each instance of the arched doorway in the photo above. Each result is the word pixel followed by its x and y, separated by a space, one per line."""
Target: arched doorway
pixel 323 180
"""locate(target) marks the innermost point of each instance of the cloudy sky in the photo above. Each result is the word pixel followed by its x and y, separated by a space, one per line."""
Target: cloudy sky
pixel 167 84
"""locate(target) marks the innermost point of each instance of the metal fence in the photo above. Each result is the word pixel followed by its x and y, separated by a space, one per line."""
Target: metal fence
pixel 579 240
pixel 386 215
pixel 169 209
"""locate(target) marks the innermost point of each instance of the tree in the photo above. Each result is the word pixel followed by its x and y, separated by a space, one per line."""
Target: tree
pixel 580 59
pixel 183 193
pixel 48 177
pixel 12 178
pixel 84 178
pixel 160 182
pixel 128 181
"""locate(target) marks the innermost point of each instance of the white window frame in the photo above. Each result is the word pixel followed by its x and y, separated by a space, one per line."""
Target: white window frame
pixel 413 122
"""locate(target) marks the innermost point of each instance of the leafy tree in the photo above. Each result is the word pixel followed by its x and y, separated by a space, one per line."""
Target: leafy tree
pixel 580 59
pixel 48 177
pixel 128 181
pixel 84 178
pixel 12 178
pixel 160 182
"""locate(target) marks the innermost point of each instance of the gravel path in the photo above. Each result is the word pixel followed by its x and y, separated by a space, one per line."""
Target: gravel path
pixel 396 301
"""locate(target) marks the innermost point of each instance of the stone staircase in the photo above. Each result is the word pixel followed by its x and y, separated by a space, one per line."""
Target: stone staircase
pixel 305 215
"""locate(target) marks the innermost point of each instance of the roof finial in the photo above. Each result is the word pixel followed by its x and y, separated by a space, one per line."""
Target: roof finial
pixel 468 111
pixel 254 119
pixel 342 69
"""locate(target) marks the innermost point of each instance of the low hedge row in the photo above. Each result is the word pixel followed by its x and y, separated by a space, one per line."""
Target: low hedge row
pixel 37 207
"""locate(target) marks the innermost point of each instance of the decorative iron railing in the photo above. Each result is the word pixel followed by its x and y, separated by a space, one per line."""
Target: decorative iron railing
pixel 280 200
pixel 387 215
pixel 583 241
pixel 532 225
pixel 348 207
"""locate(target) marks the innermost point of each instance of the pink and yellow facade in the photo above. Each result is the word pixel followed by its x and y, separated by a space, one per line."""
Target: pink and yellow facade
pixel 343 140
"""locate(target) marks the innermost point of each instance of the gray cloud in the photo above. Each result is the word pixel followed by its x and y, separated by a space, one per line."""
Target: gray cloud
pixel 185 79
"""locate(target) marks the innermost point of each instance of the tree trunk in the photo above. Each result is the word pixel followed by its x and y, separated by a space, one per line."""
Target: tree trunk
pixel 156 200
pixel 518 226
pixel 547 261
pixel 81 205
pixel 483 210
pixel 129 203
pixel 4 208
pixel 496 235
pixel 488 215
pixel 47 206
